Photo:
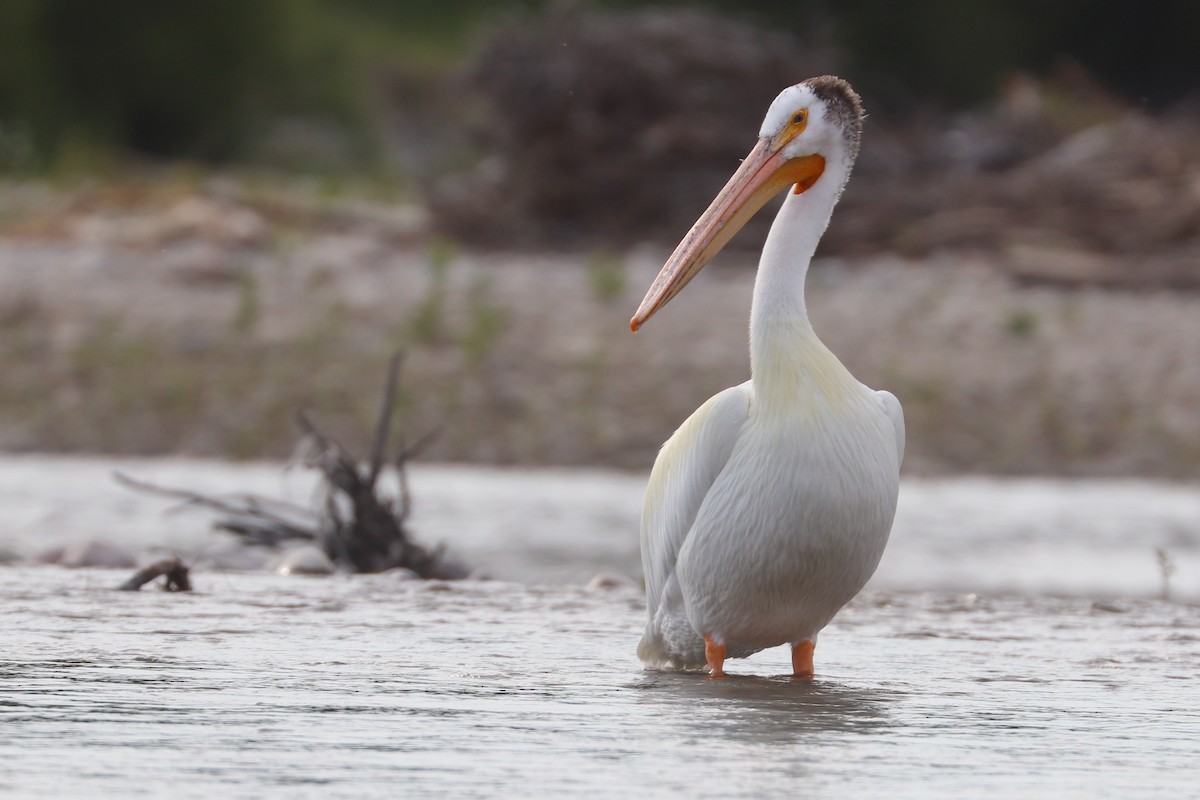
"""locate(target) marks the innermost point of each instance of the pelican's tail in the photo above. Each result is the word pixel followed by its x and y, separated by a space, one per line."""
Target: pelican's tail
pixel 660 652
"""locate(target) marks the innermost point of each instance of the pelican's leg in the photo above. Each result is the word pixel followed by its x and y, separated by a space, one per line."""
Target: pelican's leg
pixel 802 660
pixel 715 655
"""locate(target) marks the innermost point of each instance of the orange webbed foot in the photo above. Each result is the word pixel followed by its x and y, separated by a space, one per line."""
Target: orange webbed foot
pixel 715 655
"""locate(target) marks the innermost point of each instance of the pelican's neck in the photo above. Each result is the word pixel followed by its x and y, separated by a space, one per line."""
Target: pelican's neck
pixel 786 357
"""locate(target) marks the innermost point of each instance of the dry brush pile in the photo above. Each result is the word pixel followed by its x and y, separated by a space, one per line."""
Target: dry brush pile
pixel 611 128
pixel 603 127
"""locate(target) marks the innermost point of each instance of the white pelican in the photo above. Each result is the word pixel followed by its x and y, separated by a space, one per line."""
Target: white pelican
pixel 770 507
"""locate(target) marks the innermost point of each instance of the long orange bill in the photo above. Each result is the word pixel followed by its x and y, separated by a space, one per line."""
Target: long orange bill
pixel 763 174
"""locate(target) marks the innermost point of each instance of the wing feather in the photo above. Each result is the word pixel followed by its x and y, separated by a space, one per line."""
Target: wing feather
pixel 685 470
pixel 896 414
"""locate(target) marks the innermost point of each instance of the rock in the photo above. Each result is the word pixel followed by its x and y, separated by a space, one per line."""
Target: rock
pixel 1066 266
pixel 403 574
pixel 96 553
pixel 174 570
pixel 1110 607
pixel 306 560
pixel 234 556
pixel 51 555
pixel 449 569
pixel 8 556
pixel 608 581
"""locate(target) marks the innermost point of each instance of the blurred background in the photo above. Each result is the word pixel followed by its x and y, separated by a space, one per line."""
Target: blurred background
pixel 214 213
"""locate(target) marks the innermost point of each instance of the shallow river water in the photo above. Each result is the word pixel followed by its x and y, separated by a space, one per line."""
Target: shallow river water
pixel 1013 645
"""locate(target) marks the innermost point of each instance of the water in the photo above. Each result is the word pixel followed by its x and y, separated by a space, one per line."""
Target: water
pixel 940 681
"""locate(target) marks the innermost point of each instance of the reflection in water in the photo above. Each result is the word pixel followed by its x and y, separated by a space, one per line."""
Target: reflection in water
pixel 769 709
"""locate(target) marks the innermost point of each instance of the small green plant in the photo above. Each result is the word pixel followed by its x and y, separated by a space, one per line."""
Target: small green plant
pixel 428 320
pixel 335 327
pixel 283 243
pixel 18 153
pixel 248 304
pixel 485 324
pixel 1166 568
pixel 79 157
pixel 1021 323
pixel 606 277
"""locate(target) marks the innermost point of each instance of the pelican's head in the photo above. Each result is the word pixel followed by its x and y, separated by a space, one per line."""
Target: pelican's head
pixel 809 128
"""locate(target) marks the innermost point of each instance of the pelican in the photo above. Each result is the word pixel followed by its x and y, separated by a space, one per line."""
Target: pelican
pixel 770 507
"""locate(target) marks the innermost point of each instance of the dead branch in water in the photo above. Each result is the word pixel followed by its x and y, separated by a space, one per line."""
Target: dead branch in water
pixel 359 527
pixel 258 520
pixel 174 570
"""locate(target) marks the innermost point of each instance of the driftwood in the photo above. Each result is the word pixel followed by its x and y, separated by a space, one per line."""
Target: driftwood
pixel 358 526
pixel 176 573
pixel 258 520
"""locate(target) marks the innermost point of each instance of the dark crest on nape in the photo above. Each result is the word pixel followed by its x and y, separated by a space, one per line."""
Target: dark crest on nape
pixel 844 106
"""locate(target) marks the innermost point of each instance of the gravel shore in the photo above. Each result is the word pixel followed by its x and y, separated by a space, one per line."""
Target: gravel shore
pixel 189 323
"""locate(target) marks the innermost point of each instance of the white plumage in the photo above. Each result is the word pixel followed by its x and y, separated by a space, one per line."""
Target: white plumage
pixel 770 507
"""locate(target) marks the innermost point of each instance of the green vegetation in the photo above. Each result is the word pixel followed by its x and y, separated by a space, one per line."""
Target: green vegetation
pixel 1021 323
pixel 189 79
pixel 606 277
pixel 305 84
pixel 246 315
pixel 485 322
pixel 428 322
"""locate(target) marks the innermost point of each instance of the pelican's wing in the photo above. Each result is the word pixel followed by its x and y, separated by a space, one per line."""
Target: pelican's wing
pixel 685 470
pixel 896 414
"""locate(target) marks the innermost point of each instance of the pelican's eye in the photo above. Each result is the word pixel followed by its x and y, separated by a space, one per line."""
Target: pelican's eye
pixel 797 123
